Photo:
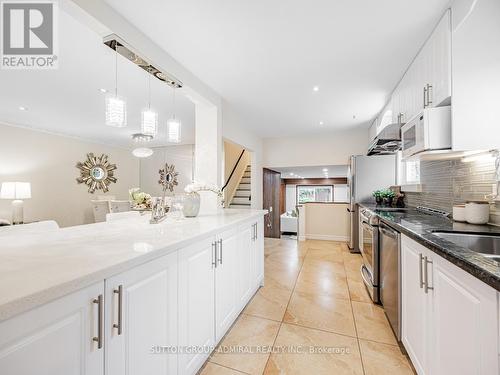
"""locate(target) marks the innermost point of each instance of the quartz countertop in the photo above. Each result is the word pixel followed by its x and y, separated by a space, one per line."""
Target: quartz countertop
pixel 420 227
pixel 38 268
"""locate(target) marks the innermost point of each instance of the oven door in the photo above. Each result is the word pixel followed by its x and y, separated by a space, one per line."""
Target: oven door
pixel 367 239
pixel 413 137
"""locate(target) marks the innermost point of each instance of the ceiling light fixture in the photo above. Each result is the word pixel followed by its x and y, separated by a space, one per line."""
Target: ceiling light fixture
pixel 174 124
pixel 116 107
pixel 321 123
pixel 325 169
pixel 316 88
pixel 103 91
pixel 149 118
pixel 21 108
pixel 140 140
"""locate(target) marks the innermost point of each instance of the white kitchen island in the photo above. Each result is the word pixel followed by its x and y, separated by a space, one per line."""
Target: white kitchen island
pixel 126 297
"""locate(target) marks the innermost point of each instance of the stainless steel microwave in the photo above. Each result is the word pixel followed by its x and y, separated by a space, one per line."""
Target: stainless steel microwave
pixel 429 130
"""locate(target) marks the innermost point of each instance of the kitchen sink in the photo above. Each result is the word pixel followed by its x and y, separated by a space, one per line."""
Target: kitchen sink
pixel 486 244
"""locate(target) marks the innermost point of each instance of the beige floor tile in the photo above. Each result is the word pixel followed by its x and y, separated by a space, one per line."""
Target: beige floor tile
pixel 371 323
pixel 269 302
pixel 353 263
pixel 213 369
pixel 321 312
pixel 250 332
pixel 358 292
pixel 330 255
pixel 383 359
pixel 353 274
pixel 324 267
pixel 346 361
pixel 323 284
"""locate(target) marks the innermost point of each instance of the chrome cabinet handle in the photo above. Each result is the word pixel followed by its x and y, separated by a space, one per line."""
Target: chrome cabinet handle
pixel 119 325
pixel 256 235
pixel 220 251
pixel 420 270
pixel 429 92
pixel 426 275
pixel 100 316
pixel 214 254
pixel 425 97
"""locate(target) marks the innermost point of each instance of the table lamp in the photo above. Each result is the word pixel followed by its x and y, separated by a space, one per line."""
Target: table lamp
pixel 16 191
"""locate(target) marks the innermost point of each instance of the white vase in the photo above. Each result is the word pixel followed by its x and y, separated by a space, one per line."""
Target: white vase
pixel 191 206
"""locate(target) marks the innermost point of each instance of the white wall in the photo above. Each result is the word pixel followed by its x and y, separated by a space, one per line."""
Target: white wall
pixel 290 197
pixel 327 221
pixel 48 162
pixel 181 156
pixel 328 149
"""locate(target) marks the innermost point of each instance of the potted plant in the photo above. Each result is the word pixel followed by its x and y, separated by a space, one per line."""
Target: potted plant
pixel 379 196
pixel 388 196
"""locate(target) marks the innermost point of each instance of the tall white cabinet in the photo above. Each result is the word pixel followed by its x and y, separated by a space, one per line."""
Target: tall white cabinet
pixel 450 319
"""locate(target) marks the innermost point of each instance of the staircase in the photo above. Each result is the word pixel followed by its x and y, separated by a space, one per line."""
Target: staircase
pixel 243 197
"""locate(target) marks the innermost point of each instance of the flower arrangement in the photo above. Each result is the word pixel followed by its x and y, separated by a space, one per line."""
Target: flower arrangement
pixel 198 186
pixel 140 199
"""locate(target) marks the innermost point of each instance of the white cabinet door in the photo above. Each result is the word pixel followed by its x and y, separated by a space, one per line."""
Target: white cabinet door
pixel 196 299
pixel 141 312
pixel 476 75
pixel 226 282
pixel 464 323
pixel 258 252
pixel 56 338
pixel 438 69
pixel 245 261
pixel 414 304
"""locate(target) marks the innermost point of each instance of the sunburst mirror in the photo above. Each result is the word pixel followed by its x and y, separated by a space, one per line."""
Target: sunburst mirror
pixel 96 172
pixel 168 177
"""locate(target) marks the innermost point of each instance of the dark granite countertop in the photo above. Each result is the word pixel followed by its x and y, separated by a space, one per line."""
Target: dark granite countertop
pixel 420 227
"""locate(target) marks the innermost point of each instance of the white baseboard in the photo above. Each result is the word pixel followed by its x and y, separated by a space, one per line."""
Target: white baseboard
pixel 327 237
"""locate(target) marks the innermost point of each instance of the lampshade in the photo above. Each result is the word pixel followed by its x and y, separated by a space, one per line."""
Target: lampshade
pixel 149 122
pixel 174 130
pixel 15 190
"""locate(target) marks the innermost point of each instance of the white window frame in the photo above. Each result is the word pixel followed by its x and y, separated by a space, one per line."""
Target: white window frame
pixel 408 182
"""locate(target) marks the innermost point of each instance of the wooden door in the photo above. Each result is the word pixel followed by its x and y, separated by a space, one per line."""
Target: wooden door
pixel 141 312
pixel 272 193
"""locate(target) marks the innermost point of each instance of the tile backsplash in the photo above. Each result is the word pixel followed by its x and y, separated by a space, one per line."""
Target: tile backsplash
pixel 448 182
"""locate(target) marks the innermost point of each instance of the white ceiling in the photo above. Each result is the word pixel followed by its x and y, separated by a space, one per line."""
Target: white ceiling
pixel 67 100
pixel 265 56
pixel 313 172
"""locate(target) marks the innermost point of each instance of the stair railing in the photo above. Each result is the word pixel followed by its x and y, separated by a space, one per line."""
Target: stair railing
pixel 234 168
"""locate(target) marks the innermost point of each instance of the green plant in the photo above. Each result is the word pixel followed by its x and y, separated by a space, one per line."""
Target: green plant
pixel 387 193
pixel 378 194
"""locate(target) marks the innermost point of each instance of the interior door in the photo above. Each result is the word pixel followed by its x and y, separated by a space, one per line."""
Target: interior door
pixel 226 277
pixel 141 311
pixel 271 199
pixel 56 338
pixel 196 304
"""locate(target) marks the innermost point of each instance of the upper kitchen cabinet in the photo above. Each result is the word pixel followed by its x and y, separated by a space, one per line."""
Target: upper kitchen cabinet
pixel 476 74
pixel 427 82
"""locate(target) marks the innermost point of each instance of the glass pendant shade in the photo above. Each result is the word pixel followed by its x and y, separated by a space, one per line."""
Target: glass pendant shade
pixel 174 130
pixel 142 152
pixel 149 122
pixel 116 111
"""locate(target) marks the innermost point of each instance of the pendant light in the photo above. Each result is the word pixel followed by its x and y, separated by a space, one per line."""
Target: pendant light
pixel 173 125
pixel 116 107
pixel 141 140
pixel 149 118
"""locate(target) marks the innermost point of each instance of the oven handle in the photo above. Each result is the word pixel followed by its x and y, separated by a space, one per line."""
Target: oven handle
pixel 367 283
pixel 367 226
pixel 388 232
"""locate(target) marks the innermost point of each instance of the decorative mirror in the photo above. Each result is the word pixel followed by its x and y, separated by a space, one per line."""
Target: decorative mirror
pixel 168 177
pixel 96 172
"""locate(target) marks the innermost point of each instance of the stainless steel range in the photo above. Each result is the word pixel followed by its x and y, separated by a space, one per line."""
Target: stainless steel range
pixel 368 246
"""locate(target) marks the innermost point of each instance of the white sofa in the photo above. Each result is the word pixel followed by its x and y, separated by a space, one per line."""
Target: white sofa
pixel 289 223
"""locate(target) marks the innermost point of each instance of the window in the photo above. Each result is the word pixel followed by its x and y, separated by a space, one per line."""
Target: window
pixel 313 193
pixel 409 174
pixel 412 172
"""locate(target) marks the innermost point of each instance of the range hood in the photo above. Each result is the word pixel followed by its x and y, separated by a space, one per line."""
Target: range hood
pixel 387 142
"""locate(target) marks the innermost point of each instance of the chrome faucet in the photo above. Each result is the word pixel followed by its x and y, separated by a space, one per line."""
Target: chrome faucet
pixel 158 211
